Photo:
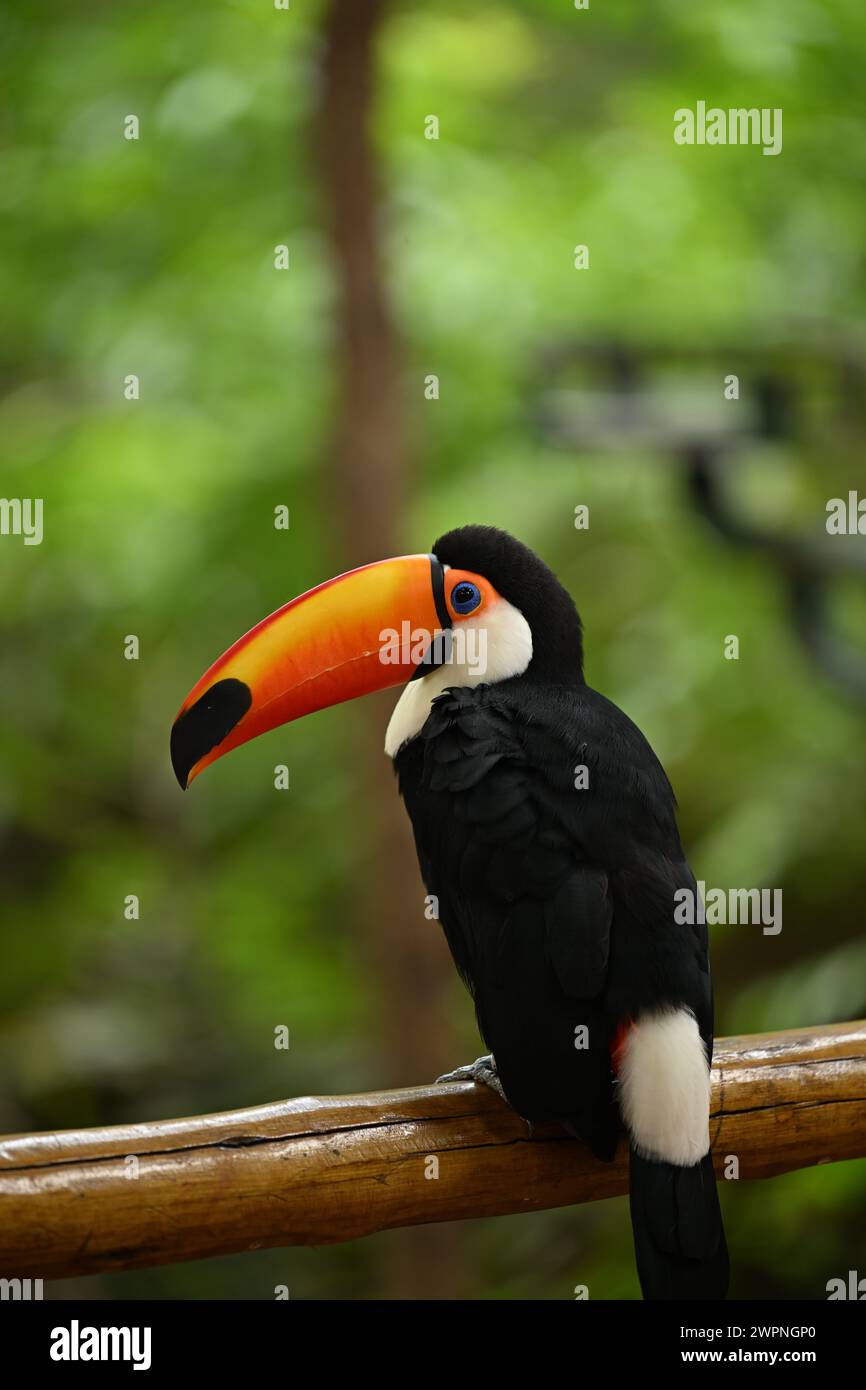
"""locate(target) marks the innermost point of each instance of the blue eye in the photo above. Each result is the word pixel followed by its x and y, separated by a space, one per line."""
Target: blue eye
pixel 465 597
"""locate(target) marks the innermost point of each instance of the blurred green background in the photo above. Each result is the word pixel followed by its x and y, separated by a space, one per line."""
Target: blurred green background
pixel 156 257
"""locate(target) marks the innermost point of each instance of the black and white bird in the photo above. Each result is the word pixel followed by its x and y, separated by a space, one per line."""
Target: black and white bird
pixel 546 829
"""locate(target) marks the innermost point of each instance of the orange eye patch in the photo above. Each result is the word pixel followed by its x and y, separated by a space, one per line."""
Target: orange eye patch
pixel 467 593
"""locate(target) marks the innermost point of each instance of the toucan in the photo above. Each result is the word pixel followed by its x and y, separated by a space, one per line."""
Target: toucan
pixel 546 832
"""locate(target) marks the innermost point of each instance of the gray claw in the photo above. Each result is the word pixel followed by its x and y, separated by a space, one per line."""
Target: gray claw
pixel 483 1070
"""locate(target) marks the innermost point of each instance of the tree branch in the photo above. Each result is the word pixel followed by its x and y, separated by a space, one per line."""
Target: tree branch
pixel 319 1170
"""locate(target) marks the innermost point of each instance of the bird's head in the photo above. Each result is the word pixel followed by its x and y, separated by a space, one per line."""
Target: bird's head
pixel 481 608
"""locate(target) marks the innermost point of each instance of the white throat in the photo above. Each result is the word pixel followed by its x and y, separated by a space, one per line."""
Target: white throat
pixel 495 646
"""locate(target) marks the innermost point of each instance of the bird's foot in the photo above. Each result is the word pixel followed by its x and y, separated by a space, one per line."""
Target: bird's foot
pixel 483 1070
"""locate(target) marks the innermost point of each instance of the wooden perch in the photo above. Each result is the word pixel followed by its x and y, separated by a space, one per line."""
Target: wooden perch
pixel 319 1170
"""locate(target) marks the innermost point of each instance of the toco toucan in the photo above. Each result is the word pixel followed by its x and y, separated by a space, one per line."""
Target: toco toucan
pixel 545 826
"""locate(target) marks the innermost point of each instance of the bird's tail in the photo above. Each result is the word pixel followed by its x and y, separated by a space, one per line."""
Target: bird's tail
pixel 679 1240
pixel 664 1097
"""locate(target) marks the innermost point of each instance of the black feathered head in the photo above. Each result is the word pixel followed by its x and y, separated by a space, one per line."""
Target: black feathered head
pixel 525 581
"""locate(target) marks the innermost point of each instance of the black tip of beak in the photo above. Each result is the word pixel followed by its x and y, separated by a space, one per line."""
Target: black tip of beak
pixel 207 723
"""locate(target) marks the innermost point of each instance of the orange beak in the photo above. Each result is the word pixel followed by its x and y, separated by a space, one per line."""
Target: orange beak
pixel 372 628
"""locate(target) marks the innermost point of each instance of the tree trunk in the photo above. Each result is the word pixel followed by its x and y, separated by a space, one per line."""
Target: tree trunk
pixel 367 487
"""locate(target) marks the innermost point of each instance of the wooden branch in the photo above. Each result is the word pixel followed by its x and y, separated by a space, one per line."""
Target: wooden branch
pixel 315 1171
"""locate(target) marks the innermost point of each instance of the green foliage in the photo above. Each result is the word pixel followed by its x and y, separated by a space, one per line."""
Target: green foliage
pixel 156 257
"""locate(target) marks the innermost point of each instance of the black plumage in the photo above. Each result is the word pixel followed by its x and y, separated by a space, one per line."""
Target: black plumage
pixel 557 901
